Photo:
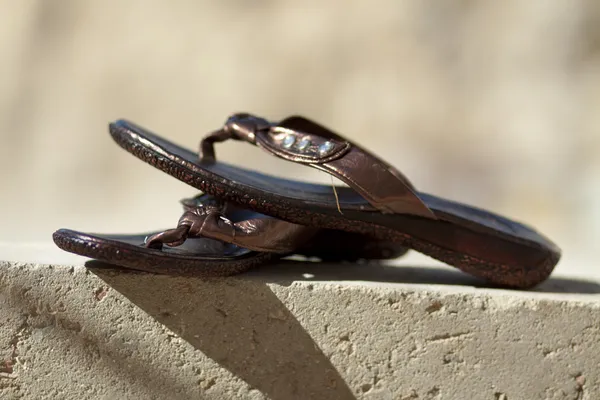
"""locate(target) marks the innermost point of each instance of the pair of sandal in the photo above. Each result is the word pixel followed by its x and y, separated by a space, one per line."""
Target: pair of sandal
pixel 246 218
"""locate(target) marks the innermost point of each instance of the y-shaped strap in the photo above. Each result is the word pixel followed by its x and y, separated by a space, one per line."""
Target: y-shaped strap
pixel 300 140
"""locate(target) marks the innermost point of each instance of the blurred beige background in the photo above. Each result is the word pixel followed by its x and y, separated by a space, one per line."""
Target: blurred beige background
pixel 496 104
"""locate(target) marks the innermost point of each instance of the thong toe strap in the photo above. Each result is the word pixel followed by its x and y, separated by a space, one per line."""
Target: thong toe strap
pixel 257 233
pixel 303 141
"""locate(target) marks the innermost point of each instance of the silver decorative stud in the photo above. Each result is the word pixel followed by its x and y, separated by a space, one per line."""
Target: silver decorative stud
pixel 304 144
pixel 288 141
pixel 227 221
pixel 325 148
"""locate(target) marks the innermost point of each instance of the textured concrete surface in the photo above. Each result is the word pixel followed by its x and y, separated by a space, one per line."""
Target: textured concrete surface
pixel 290 331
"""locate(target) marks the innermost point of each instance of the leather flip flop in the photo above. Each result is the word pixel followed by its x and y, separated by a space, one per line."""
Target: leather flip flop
pixel 380 202
pixel 215 238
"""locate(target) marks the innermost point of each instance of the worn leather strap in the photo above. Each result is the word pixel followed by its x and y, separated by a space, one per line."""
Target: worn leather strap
pixel 300 140
pixel 264 234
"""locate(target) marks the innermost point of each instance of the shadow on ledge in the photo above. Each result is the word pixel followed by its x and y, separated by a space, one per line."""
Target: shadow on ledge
pixel 285 272
pixel 245 328
pixel 241 325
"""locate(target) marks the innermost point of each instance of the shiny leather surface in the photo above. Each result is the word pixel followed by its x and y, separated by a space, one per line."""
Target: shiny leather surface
pixel 476 241
pixel 379 183
pixel 205 216
pixel 272 140
pixel 317 197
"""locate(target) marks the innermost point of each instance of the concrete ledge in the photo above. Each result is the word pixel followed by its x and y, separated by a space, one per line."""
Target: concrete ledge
pixel 284 332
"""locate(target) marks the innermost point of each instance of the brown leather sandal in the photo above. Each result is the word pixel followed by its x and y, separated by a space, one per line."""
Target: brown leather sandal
pixel 215 238
pixel 379 202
